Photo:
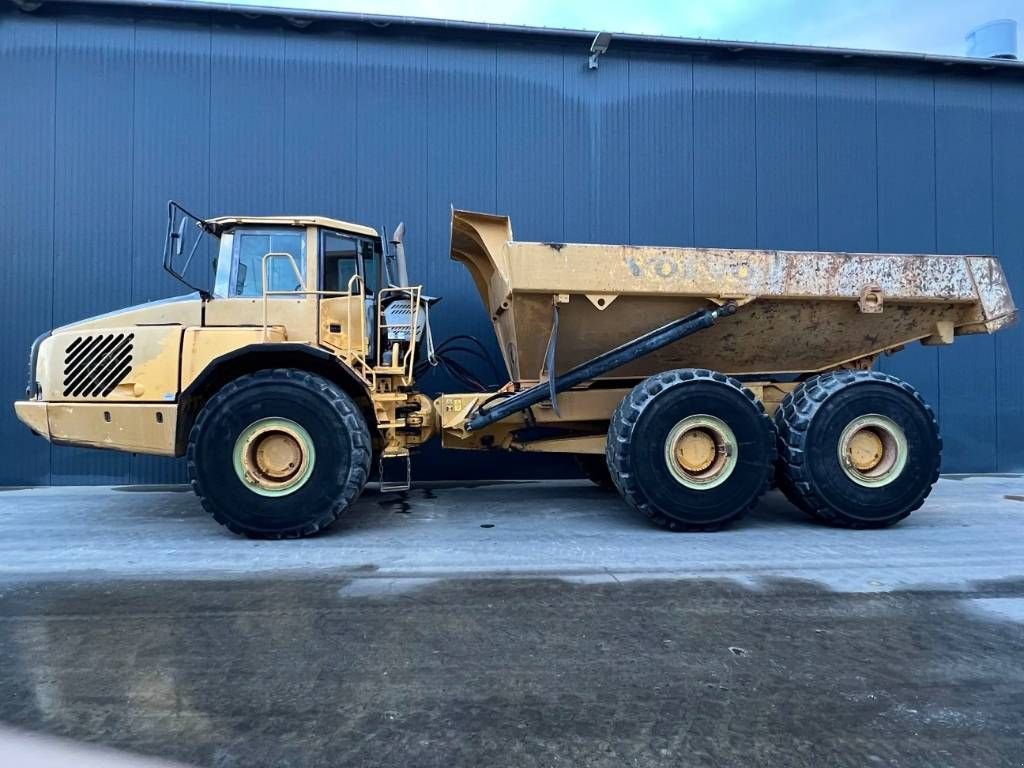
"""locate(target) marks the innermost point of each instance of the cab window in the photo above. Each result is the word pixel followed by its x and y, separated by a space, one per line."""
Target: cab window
pixel 251 245
pixel 344 256
pixel 368 251
pixel 340 260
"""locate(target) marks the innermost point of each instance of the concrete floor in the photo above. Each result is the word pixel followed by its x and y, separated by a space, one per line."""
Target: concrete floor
pixel 516 624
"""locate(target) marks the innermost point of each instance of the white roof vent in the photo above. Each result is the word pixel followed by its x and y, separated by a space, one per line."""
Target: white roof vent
pixel 993 40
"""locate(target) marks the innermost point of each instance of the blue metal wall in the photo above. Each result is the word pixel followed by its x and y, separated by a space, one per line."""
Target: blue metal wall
pixel 105 114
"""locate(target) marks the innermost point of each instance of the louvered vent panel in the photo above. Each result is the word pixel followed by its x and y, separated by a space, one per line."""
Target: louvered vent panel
pixel 94 365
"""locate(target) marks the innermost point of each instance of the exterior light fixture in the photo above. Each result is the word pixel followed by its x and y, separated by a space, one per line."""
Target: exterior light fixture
pixel 599 46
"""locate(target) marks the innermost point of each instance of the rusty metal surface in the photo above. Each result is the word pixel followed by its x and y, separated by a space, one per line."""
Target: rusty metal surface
pixel 801 311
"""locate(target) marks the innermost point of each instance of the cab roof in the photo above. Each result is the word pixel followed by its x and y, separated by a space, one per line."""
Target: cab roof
pixel 223 223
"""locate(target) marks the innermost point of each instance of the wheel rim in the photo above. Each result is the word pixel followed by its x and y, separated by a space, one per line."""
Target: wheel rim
pixel 701 452
pixel 873 450
pixel 274 457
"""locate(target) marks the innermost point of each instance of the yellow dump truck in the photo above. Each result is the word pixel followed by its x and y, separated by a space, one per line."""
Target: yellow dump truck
pixel 686 378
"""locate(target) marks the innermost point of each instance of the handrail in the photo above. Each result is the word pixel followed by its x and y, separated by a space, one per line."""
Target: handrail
pixel 407 362
pixel 263 274
pixel 353 282
pixel 291 260
pixel 358 356
pixel 356 287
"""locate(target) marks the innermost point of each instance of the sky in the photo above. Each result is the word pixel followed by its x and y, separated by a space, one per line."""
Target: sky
pixel 931 26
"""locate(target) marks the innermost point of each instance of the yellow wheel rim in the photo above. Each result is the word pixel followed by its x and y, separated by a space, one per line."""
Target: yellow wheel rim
pixel 701 451
pixel 274 457
pixel 873 450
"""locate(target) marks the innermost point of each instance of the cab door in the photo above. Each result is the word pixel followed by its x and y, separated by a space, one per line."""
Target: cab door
pixel 348 279
pixel 291 306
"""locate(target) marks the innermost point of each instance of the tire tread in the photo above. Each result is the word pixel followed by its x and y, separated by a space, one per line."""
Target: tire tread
pixel 343 407
pixel 624 420
pixel 792 421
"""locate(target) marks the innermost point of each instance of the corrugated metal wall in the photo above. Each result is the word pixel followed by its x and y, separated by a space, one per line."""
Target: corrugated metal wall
pixel 107 114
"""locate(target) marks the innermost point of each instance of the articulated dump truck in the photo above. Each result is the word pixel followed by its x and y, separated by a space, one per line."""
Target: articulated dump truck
pixel 689 379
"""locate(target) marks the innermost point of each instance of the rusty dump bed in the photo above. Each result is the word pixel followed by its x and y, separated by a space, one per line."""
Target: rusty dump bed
pixel 799 311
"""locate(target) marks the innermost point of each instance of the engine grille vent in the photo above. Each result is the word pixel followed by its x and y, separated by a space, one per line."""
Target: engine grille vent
pixel 94 365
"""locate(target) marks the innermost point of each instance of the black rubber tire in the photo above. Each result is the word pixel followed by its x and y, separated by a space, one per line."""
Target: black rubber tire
pixel 809 423
pixel 781 477
pixel 335 425
pixel 636 443
pixel 595 468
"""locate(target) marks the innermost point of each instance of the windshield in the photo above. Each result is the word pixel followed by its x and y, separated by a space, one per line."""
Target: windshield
pixel 189 249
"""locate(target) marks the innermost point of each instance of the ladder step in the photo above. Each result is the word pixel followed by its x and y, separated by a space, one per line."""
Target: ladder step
pixel 403 480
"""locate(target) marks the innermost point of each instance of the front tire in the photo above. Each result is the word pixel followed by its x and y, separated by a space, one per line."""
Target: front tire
pixel 278 454
pixel 857 449
pixel 691 449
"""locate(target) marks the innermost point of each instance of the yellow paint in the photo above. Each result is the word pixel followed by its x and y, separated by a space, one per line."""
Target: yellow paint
pixel 865 449
pixel 154 362
pixel 695 450
pixel 135 427
pixel 33 414
pixel 347 314
pixel 201 346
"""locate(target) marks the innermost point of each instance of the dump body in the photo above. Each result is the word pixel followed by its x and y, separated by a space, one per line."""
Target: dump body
pixel 799 312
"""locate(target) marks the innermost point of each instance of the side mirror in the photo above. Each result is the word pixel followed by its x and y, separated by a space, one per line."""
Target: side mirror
pixel 240 272
pixel 179 238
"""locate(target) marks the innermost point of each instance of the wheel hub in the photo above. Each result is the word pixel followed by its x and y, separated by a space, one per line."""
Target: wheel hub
pixel 277 455
pixel 865 450
pixel 701 451
pixel 873 450
pixel 695 450
pixel 274 457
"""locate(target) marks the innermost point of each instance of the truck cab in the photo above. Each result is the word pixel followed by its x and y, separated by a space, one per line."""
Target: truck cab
pixel 315 279
pixel 301 327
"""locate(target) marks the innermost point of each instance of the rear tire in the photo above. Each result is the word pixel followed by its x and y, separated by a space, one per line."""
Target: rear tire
pixel 278 454
pixel 820 470
pixel 691 449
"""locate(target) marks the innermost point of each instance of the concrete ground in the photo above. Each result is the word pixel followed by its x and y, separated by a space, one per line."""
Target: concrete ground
pixel 519 624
